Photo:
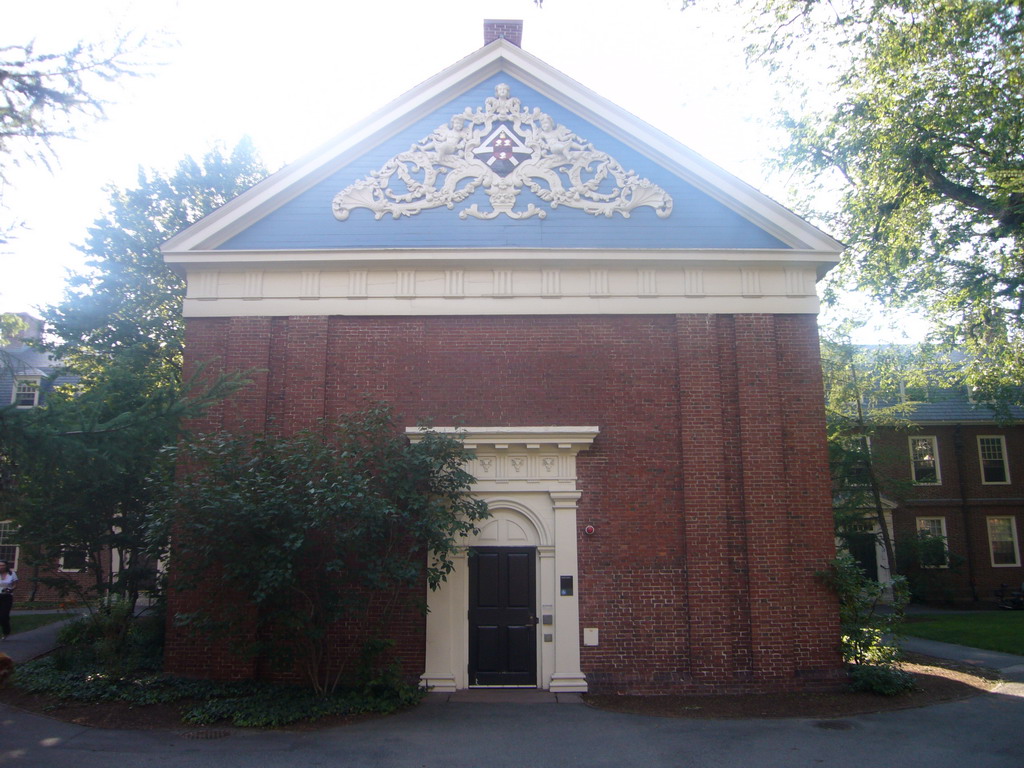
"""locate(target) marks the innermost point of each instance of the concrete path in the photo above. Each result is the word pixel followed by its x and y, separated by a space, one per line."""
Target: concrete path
pixel 473 730
pixel 1011 667
pixel 25 646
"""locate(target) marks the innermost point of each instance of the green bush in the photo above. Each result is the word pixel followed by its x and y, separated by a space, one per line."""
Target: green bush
pixel 112 639
pixel 929 566
pixel 884 679
pixel 866 627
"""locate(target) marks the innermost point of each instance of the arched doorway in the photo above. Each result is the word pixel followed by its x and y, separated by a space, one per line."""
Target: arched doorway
pixel 527 476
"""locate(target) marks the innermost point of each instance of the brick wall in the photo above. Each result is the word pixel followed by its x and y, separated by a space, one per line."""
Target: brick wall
pixel 507 29
pixel 81 584
pixel 707 486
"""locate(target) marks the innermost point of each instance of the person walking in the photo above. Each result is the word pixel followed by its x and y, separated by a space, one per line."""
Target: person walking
pixel 8 579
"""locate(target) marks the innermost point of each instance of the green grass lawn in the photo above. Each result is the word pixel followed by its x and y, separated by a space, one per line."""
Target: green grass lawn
pixel 23 623
pixel 993 630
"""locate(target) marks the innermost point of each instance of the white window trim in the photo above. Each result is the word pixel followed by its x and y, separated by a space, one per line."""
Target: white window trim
pixel 945 536
pixel 1016 541
pixel 17 549
pixel 83 569
pixel 935 452
pixel 1006 460
pixel 34 381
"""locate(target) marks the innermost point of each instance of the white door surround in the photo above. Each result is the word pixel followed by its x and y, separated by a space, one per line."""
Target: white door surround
pixel 527 476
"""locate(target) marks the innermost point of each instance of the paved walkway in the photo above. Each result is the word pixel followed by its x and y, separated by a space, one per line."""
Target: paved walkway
pixel 1011 667
pixel 473 729
pixel 24 646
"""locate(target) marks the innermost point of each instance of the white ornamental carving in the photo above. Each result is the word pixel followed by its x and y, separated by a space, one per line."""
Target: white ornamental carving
pixel 502 148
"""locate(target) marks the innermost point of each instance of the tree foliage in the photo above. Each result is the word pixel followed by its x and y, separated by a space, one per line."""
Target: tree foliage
pixel 129 300
pixel 912 112
pixel 42 94
pixel 865 391
pixel 10 326
pixel 301 532
pixel 76 471
pixel 46 95
pixel 868 633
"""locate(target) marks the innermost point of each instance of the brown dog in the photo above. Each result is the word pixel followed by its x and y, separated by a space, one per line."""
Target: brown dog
pixel 6 667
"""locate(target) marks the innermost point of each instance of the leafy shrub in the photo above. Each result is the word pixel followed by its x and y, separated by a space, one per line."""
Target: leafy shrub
pixel 869 631
pixel 347 513
pixel 929 565
pixel 113 639
pixel 884 679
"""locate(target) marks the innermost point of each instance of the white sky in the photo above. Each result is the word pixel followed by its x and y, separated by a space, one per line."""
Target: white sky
pixel 292 75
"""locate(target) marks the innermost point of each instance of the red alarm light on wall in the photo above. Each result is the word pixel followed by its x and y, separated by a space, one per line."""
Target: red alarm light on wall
pixel 589 530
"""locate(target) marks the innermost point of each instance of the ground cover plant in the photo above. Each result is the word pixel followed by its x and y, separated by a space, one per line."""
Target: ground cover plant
pixel 936 682
pixel 101 663
pixel 205 702
pixel 993 630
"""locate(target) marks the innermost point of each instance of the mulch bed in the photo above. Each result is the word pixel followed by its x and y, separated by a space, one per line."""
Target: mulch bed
pixel 937 681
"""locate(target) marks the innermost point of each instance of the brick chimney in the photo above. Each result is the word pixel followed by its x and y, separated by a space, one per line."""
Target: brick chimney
pixel 504 29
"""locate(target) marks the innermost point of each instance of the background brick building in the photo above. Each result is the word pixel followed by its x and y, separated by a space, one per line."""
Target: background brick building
pixel 958 475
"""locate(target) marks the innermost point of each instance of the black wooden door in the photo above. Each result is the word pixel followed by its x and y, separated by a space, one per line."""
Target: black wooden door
pixel 864 550
pixel 502 616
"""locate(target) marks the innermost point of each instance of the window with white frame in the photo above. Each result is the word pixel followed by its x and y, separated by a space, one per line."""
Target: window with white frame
pixel 8 549
pixel 74 560
pixel 1002 542
pixel 992 454
pixel 931 534
pixel 924 460
pixel 26 392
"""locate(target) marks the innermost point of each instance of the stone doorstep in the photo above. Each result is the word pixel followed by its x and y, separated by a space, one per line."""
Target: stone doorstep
pixel 503 696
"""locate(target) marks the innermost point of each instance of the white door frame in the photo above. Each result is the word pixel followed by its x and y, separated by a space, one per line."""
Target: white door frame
pixel 527 476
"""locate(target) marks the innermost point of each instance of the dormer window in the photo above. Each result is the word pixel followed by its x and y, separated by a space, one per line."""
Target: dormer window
pixel 26 392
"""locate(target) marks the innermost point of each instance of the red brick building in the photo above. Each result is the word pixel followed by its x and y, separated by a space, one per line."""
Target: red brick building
pixel 957 475
pixel 629 334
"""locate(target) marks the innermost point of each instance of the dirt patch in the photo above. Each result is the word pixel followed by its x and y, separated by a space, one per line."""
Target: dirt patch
pixel 937 681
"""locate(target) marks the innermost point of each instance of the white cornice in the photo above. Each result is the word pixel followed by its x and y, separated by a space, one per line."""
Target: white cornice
pixel 501 306
pixel 494 284
pixel 563 438
pixel 395 257
pixel 499 56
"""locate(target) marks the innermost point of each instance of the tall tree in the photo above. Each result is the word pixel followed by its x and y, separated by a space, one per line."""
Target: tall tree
pixel 77 473
pixel 863 393
pixel 129 299
pixel 913 113
pixel 77 470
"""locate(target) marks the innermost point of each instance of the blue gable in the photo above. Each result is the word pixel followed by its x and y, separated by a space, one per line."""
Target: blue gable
pixel 696 219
